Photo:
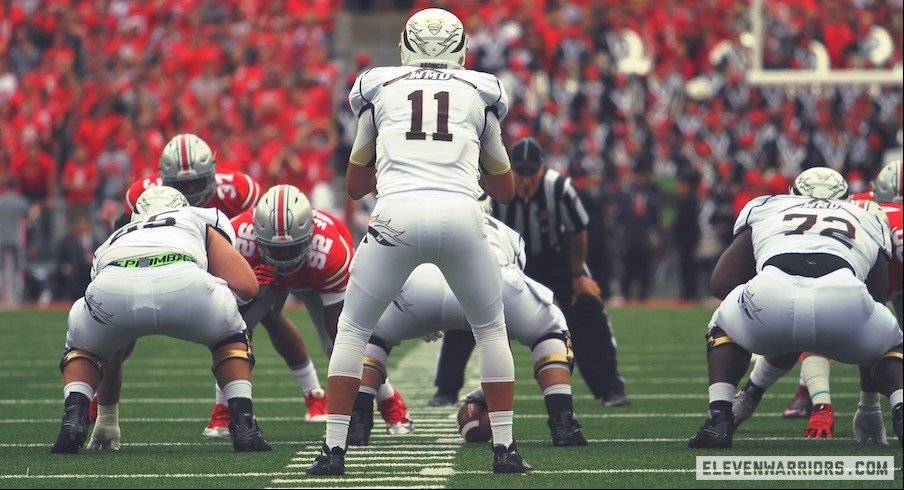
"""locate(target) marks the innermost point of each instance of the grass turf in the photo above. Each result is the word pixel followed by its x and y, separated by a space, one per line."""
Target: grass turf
pixel 661 354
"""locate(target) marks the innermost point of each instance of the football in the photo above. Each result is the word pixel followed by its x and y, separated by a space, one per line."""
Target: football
pixel 474 422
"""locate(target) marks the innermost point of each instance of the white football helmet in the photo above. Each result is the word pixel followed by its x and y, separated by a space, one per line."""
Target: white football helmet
pixel 821 183
pixel 887 187
pixel 188 165
pixel 157 199
pixel 873 208
pixel 434 38
pixel 283 223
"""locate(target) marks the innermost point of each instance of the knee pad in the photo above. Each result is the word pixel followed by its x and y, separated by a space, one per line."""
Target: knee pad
pixel 73 354
pixel 348 349
pixel 553 351
pixel 716 337
pixel 375 357
pixel 892 354
pixel 246 354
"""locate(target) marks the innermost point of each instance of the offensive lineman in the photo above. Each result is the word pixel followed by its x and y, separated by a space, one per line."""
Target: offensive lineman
pixel 140 277
pixel 426 305
pixel 439 143
pixel 805 273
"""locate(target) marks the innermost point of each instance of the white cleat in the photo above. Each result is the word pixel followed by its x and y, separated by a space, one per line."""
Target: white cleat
pixel 400 428
pixel 743 408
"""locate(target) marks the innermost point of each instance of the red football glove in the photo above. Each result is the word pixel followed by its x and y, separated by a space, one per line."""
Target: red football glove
pixel 265 275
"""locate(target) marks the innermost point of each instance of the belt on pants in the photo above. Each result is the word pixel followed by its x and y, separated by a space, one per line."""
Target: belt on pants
pixel 158 260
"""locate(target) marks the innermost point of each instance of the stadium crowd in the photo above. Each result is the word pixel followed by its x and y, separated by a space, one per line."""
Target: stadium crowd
pixel 644 104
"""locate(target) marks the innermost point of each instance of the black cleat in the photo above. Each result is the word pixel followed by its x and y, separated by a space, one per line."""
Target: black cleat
pixel 246 435
pixel 716 432
pixel 359 428
pixel 74 429
pixel 442 399
pixel 616 399
pixel 565 430
pixel 897 423
pixel 507 460
pixel 330 462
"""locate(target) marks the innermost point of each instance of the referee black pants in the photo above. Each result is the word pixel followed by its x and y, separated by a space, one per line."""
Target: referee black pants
pixel 591 334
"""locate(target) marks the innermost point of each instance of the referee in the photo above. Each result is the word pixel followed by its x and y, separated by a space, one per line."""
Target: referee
pixel 550 217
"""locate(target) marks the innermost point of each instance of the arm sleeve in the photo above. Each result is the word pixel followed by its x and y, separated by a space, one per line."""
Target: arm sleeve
pixel 364 150
pixel 494 159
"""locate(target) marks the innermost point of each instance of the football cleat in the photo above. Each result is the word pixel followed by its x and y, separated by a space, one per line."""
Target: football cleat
pixel 218 427
pixel 92 409
pixel 716 432
pixel 897 422
pixel 507 460
pixel 801 406
pixel 565 430
pixel 359 428
pixel 743 407
pixel 330 462
pixel 616 399
pixel 74 428
pixel 246 435
pixel 395 414
pixel 821 423
pixel 316 402
pixel 441 399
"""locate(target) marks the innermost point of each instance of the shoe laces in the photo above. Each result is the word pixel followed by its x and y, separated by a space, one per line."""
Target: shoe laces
pixel 393 409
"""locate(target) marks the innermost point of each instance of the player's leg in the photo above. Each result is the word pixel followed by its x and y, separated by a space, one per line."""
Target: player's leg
pixel 766 371
pixel 800 406
pixel 291 347
pixel 376 357
pixel 473 274
pixel 815 370
pixel 457 346
pixel 232 362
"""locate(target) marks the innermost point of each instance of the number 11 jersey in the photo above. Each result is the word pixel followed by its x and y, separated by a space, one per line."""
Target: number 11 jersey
pixel 799 224
pixel 429 124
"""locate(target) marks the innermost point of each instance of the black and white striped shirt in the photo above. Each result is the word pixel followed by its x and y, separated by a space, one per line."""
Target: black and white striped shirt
pixel 543 220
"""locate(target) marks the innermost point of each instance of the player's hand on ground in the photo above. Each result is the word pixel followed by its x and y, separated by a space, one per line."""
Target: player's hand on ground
pixel 868 425
pixel 585 285
pixel 104 437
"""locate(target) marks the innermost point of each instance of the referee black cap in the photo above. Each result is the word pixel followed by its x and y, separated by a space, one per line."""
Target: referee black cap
pixel 527 156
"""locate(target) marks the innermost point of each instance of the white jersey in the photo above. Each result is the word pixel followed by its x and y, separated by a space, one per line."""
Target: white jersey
pixel 182 230
pixel 507 243
pixel 800 224
pixel 429 122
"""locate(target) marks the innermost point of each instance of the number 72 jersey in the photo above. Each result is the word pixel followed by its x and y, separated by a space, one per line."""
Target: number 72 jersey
pixel 799 224
pixel 326 270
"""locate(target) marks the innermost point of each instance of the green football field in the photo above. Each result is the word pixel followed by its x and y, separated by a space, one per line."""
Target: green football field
pixel 168 395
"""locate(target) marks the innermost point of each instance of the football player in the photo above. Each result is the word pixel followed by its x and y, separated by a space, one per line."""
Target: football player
pixel 868 424
pixel 140 277
pixel 439 143
pixel 426 306
pixel 805 272
pixel 296 249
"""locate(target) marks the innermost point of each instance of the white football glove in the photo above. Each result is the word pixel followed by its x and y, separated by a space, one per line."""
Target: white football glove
pixel 868 425
pixel 104 437
pixel 433 336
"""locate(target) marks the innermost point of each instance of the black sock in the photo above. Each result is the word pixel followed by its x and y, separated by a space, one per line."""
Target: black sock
pixel 240 405
pixel 558 403
pixel 720 406
pixel 754 391
pixel 364 402
pixel 75 398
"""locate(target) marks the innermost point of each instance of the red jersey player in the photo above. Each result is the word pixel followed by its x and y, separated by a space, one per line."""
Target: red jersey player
pixel 188 164
pixel 295 249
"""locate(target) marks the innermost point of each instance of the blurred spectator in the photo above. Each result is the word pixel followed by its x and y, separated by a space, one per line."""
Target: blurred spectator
pixel 80 182
pixel 686 234
pixel 74 258
pixel 638 220
pixel 14 210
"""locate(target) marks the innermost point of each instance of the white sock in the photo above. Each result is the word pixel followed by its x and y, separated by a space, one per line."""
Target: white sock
pixel 895 398
pixel 78 387
pixel 559 389
pixel 868 399
pixel 501 425
pixel 337 430
pixel 721 392
pixel 764 374
pixel 385 392
pixel 801 381
pixel 221 397
pixel 306 376
pixel 816 372
pixel 240 388
pixel 368 390
pixel 108 414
